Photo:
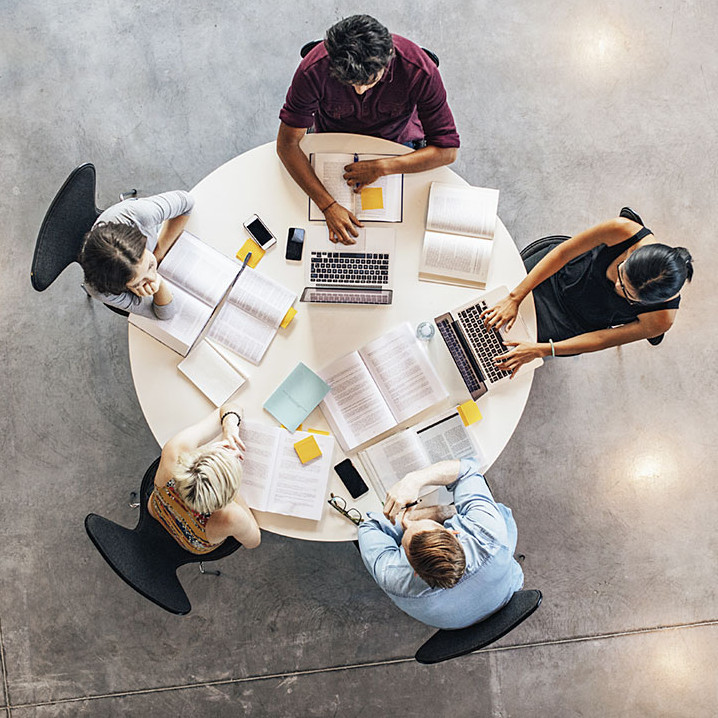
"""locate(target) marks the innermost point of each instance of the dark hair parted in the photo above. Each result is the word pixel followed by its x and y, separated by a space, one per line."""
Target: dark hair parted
pixel 657 271
pixel 110 254
pixel 359 48
pixel 438 557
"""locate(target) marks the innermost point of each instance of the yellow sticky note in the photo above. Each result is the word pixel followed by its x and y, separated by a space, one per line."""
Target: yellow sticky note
pixel 307 449
pixel 372 198
pixel 317 431
pixel 469 412
pixel 288 317
pixel 257 253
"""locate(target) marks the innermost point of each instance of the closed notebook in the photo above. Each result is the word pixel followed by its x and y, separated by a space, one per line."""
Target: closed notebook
pixel 296 397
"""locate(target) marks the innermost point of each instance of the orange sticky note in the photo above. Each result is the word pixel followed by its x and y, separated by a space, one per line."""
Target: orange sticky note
pixel 469 412
pixel 372 198
pixel 307 449
pixel 257 253
pixel 288 317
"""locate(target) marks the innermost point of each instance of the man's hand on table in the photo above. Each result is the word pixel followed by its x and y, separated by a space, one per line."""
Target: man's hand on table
pixel 341 224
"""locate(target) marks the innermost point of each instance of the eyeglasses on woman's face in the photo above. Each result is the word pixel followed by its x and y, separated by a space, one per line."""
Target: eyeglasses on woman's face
pixel 340 504
pixel 629 299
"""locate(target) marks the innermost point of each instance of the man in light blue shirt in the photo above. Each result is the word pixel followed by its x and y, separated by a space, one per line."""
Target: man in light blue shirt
pixel 446 566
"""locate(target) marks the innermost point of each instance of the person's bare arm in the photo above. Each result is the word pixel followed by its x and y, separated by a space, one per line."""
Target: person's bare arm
pixel 340 221
pixel 407 490
pixel 610 233
pixel 649 324
pixel 360 174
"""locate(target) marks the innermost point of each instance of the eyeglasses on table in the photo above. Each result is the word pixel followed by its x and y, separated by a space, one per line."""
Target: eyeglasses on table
pixel 340 504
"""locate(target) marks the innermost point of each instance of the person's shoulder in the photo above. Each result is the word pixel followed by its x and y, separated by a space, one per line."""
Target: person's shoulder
pixel 408 51
pixel 316 60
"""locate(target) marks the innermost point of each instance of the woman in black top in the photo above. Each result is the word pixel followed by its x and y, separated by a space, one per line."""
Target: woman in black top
pixel 609 285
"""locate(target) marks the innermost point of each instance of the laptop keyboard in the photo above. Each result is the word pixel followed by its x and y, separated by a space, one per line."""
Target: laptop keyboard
pixel 322 296
pixel 349 268
pixel 473 383
pixel 487 343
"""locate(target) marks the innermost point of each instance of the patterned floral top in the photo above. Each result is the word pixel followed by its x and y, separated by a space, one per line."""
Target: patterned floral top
pixel 187 527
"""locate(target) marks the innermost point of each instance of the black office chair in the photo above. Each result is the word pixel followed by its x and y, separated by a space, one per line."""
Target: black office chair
pixel 71 214
pixel 147 557
pixel 306 48
pixel 445 645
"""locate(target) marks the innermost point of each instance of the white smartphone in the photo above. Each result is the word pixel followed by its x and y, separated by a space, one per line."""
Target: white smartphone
pixel 260 233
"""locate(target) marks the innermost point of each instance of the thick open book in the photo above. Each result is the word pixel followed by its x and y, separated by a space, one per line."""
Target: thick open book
pixel 198 276
pixel 384 383
pixel 385 198
pixel 440 438
pixel 458 242
pixel 249 318
pixel 274 479
pixel 211 372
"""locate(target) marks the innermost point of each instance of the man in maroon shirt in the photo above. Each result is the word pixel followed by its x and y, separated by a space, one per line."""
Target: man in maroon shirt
pixel 364 80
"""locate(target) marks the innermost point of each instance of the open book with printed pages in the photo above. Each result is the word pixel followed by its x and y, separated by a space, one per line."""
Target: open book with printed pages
pixel 248 320
pixel 273 477
pixel 212 372
pixel 379 386
pixel 458 242
pixel 381 201
pixel 437 439
pixel 198 276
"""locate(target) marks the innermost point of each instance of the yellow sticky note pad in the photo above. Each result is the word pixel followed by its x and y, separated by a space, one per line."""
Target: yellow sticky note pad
pixel 469 412
pixel 257 253
pixel 307 449
pixel 288 317
pixel 372 198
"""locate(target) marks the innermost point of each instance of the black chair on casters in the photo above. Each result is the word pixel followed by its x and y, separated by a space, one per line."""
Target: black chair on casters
pixel 306 48
pixel 444 645
pixel 71 214
pixel 147 557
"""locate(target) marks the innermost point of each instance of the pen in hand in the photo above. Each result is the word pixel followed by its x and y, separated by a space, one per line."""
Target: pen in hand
pixel 356 159
pixel 413 503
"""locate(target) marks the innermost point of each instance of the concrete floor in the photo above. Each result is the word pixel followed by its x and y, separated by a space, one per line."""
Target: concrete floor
pixel 572 109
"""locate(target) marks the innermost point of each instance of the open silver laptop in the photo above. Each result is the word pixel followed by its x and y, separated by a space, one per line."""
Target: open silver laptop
pixel 473 347
pixel 360 273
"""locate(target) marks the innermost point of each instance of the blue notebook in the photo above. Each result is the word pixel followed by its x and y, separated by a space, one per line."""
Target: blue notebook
pixel 296 397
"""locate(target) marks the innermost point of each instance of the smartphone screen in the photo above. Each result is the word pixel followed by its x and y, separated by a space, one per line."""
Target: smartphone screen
pixel 258 230
pixel 351 479
pixel 295 243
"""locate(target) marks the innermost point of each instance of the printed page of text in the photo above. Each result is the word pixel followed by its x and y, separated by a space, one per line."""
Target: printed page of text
pixel 462 210
pixel 242 333
pixel 261 297
pixel 454 255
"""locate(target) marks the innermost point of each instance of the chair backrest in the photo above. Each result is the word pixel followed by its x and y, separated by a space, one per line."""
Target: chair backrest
pixel 313 43
pixel 147 557
pixel 544 243
pixel 71 214
pixel 444 645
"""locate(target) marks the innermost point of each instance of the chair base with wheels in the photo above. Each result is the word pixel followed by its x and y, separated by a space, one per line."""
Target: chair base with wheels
pixel 445 645
pixel 147 557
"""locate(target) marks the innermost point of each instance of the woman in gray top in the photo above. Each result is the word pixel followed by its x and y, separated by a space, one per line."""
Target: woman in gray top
pixel 121 252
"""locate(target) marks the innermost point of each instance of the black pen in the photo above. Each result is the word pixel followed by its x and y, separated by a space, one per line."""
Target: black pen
pixel 356 159
pixel 413 503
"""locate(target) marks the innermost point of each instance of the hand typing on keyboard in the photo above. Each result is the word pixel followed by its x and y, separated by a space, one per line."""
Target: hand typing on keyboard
pixel 521 353
pixel 502 314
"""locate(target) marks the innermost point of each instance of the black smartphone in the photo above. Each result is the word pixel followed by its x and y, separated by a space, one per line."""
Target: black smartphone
pixel 351 479
pixel 295 243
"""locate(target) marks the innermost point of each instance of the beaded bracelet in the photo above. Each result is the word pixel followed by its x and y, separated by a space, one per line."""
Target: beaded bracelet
pixel 227 413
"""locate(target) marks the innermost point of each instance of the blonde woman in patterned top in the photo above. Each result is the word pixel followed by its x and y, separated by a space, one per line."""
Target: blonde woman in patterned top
pixel 196 495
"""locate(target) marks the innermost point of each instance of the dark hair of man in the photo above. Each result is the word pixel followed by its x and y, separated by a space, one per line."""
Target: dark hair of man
pixel 110 254
pixel 359 48
pixel 437 556
pixel 657 271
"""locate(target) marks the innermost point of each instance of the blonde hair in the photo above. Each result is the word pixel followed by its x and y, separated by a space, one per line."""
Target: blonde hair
pixel 207 478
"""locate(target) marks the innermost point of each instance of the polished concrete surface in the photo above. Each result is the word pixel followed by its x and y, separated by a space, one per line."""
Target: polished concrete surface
pixel 572 109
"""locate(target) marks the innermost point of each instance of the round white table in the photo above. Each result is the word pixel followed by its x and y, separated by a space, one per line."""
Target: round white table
pixel 256 182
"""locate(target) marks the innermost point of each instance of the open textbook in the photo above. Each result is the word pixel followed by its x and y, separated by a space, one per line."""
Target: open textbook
pixel 198 276
pixel 458 241
pixel 273 477
pixel 248 320
pixel 440 438
pixel 384 383
pixel 381 201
